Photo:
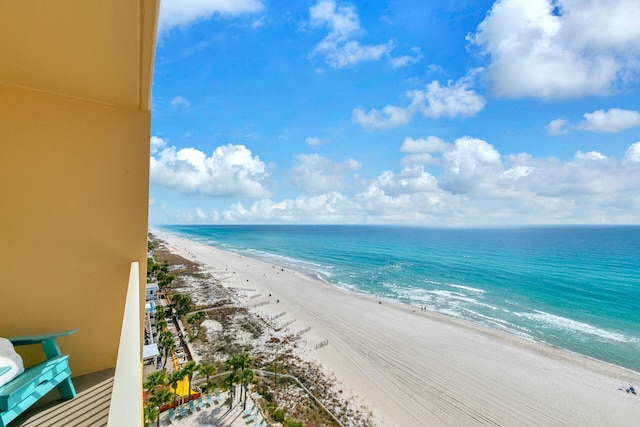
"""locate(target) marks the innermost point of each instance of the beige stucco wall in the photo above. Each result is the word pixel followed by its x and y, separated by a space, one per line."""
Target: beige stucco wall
pixel 73 216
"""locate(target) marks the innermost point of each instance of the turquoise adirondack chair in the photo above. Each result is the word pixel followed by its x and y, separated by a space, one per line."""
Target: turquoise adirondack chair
pixel 20 393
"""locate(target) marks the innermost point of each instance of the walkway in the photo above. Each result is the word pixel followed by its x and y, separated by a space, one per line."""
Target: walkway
pixel 218 415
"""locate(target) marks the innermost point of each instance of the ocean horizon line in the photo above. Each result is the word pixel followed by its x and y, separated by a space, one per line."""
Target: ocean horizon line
pixel 428 226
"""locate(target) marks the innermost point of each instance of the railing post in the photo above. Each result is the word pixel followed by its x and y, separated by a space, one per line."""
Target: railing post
pixel 125 409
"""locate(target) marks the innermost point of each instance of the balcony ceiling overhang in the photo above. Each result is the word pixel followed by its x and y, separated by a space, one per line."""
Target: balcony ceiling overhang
pixel 97 50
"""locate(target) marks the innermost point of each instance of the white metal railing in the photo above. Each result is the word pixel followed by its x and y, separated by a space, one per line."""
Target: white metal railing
pixel 126 397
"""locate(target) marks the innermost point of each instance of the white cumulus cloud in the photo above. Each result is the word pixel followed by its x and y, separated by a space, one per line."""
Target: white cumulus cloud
pixel 314 174
pixel 331 207
pixel 157 144
pixel 468 182
pixel 315 142
pixel 231 170
pixel 405 60
pixel 476 184
pixel 558 127
pixel 453 100
pixel 411 180
pixel 559 48
pixel 422 150
pixel 340 47
pixel 471 166
pixel 431 144
pixel 180 101
pixel 611 121
pixel 389 116
pixel 591 155
pixel 632 155
pixel 180 13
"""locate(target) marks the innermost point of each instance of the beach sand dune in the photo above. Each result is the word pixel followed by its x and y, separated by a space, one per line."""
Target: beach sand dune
pixel 421 368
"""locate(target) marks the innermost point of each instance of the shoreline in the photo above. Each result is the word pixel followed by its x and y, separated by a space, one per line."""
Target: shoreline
pixel 423 368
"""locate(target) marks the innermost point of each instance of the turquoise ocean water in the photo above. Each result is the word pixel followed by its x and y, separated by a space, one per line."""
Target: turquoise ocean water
pixel 576 287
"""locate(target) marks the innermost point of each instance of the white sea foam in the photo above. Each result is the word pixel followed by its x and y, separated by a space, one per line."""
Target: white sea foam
pixel 489 306
pixel 413 294
pixel 450 312
pixel 494 320
pixel 558 322
pixel 314 269
pixel 498 323
pixel 453 296
pixel 439 297
pixel 418 296
pixel 466 288
pixel 347 286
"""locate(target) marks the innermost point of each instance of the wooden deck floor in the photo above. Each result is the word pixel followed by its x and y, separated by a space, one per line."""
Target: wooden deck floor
pixel 90 407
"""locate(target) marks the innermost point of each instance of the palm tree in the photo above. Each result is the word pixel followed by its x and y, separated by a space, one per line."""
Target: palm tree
pixel 188 370
pixel 150 414
pixel 246 377
pixel 243 363
pixel 164 334
pixel 207 369
pixel 169 295
pixel 161 312
pixel 154 268
pixel 229 382
pixel 159 398
pixel 165 280
pixel 196 320
pixel 239 362
pixel 150 263
pixel 181 303
pixel 232 365
pixel 201 317
pixel 167 345
pixel 154 380
pixel 161 329
pixel 192 321
pixel 152 384
pixel 173 379
pixel 185 305
pixel 275 368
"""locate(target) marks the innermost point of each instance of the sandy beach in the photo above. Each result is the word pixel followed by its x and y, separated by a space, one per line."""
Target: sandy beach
pixel 421 368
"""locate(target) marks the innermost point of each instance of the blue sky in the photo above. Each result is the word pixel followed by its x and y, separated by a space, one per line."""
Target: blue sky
pixel 438 113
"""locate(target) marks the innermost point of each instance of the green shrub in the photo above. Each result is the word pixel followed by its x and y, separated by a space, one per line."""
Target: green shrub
pixel 278 415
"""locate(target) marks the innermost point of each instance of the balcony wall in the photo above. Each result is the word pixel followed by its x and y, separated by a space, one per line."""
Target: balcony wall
pixel 75 84
pixel 74 183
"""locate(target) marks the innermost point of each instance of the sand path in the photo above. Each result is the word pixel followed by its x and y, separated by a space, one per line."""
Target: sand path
pixel 415 368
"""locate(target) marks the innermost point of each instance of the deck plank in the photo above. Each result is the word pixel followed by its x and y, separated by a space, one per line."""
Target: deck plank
pixel 89 408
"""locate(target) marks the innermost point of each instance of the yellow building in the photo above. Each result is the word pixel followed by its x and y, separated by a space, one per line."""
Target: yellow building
pixel 75 112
